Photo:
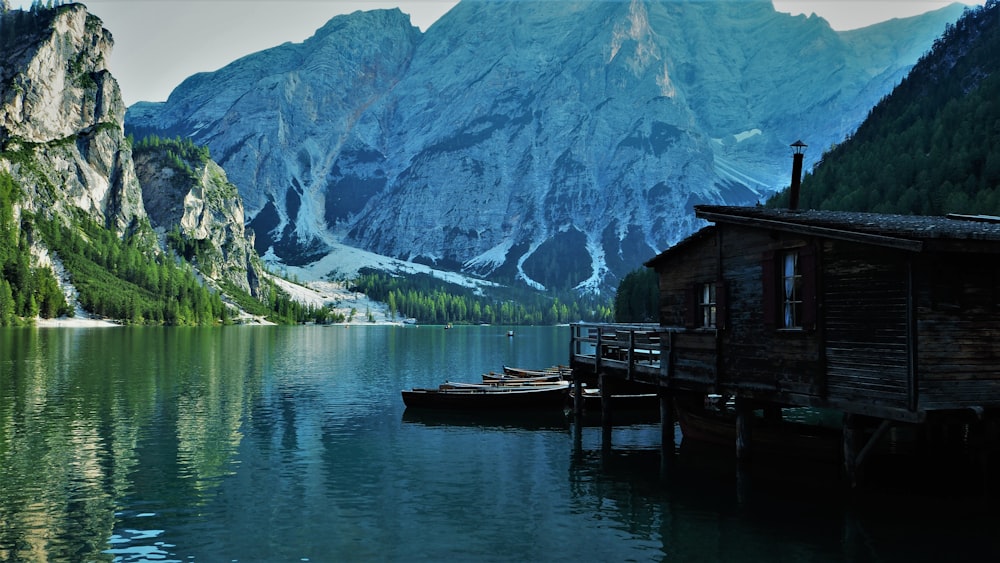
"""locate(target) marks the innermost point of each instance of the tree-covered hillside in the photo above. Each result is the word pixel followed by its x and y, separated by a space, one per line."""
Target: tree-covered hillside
pixel 432 301
pixel 931 146
pixel 26 291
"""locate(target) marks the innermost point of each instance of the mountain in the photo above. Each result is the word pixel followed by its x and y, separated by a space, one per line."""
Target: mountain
pixel 76 205
pixel 557 144
pixel 930 147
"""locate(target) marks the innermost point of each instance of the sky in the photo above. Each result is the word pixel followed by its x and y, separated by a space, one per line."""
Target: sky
pixel 159 43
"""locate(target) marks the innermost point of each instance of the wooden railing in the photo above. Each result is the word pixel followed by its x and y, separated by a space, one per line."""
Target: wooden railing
pixel 618 346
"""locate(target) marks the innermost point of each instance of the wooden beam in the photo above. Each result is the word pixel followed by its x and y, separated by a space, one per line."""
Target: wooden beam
pixel 879 432
pixel 840 234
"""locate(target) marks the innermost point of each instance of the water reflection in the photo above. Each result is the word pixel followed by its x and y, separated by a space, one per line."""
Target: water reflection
pixel 60 469
pixel 498 420
pixel 279 444
pixel 694 503
pixel 81 410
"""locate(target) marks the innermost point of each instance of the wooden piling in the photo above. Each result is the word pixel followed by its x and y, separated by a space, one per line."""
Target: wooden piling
pixel 744 430
pixel 605 387
pixel 850 451
pixel 666 419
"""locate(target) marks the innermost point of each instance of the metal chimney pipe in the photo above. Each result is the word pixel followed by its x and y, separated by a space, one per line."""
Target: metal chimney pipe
pixel 793 199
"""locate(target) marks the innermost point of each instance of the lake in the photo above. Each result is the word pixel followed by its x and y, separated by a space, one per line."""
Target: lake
pixel 277 444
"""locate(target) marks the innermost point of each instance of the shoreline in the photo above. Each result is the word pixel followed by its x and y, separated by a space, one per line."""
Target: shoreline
pixel 72 322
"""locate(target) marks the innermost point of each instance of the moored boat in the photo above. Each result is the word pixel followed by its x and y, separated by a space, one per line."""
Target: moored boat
pixel 559 371
pixel 514 383
pixel 483 396
pixel 508 378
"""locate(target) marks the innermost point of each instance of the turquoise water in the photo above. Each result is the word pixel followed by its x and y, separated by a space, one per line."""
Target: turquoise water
pixel 292 444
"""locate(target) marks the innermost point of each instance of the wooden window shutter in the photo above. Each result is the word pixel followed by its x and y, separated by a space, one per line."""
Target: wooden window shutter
pixel 691 306
pixel 810 279
pixel 769 290
pixel 721 311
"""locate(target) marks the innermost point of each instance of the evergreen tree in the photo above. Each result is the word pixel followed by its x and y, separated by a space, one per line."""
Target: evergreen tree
pixel 8 314
pixel 638 297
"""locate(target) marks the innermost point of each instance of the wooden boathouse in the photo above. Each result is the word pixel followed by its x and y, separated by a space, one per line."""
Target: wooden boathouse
pixel 892 321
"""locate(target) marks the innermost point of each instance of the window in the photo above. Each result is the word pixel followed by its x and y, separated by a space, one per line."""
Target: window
pixel 790 287
pixel 791 278
pixel 707 305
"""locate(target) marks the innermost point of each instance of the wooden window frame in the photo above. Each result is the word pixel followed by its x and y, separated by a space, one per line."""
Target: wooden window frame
pixel 803 299
pixel 790 287
pixel 699 312
pixel 708 305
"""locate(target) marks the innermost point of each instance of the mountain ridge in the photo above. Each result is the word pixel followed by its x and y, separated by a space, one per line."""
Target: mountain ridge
pixel 580 133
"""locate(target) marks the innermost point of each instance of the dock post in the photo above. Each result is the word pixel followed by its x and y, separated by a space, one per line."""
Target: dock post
pixel 668 445
pixel 605 387
pixel 744 429
pixel 577 395
pixel 666 419
pixel 850 451
pixel 744 449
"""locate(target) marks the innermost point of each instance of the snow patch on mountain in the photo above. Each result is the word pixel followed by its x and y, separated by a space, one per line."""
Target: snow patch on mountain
pixel 344 263
pixel 491 259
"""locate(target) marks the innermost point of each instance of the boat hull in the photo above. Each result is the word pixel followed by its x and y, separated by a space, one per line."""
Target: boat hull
pixel 488 398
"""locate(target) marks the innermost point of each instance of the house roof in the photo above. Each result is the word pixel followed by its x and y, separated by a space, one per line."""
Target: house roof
pixel 969 233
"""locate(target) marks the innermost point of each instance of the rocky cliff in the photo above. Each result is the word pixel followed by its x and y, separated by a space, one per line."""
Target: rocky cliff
pixel 555 143
pixel 61 117
pixel 62 143
pixel 198 212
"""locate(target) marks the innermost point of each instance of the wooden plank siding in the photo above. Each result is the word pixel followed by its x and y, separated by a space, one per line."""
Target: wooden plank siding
pixel 758 360
pixel 693 352
pixel 699 265
pixel 694 359
pixel 958 332
pixel 865 321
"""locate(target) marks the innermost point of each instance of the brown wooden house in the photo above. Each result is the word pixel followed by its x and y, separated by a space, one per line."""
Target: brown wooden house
pixel 895 317
pixel 893 321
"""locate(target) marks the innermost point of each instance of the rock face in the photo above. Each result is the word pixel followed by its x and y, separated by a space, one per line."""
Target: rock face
pixel 191 198
pixel 61 109
pixel 277 120
pixel 556 143
pixel 62 139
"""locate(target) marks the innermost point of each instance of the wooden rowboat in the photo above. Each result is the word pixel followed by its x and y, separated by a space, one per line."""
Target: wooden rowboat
pixel 504 383
pixel 476 397
pixel 560 371
pixel 492 377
